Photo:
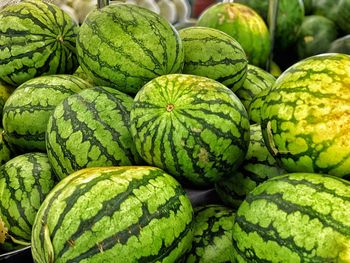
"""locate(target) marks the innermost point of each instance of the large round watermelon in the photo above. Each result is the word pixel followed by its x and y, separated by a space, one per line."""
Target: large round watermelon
pixel 27 110
pixel 25 180
pixel 89 129
pixel 125 45
pixel 305 116
pixel 193 127
pixel 36 38
pixel 301 217
pixel 243 24
pixel 114 214
pixel 214 54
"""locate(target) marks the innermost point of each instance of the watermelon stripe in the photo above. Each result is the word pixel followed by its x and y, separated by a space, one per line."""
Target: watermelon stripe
pixel 289 207
pixel 122 237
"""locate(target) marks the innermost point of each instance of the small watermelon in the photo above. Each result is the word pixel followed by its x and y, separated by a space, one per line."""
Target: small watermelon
pixel 193 127
pixel 298 217
pixel 25 180
pixel 212 241
pixel 114 214
pixel 27 110
pixel 124 46
pixel 214 54
pixel 36 38
pixel 243 24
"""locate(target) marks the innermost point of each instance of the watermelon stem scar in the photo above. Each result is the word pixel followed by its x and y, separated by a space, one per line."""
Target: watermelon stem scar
pixel 170 107
pixel 60 39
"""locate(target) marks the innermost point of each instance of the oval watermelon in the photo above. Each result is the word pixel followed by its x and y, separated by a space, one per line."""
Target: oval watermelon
pixel 301 217
pixel 243 24
pixel 305 116
pixel 114 214
pixel 214 54
pixel 193 127
pixel 37 38
pixel 124 46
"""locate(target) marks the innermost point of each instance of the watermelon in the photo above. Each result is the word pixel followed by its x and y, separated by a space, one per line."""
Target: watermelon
pixel 5 150
pixel 290 14
pixel 114 214
pixel 305 118
pixel 255 106
pixel 315 36
pixel 192 127
pixel 5 92
pixel 25 180
pixel 258 166
pixel 36 38
pixel 297 217
pixel 340 45
pixel 243 24
pixel 91 128
pixel 124 46
pixel 214 54
pixel 27 110
pixel 257 80
pixel 212 241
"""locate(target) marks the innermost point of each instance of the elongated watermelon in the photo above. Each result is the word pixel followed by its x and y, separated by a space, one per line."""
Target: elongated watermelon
pixel 114 214
pixel 214 54
pixel 212 241
pixel 301 217
pixel 124 46
pixel 36 38
pixel 193 127
pixel 89 129
pixel 25 180
pixel 305 116
pixel 243 24
pixel 27 110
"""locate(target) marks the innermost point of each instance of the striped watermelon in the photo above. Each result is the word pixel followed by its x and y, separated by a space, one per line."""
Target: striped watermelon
pixel 90 128
pixel 193 127
pixel 243 24
pixel 125 45
pixel 255 106
pixel 212 241
pixel 257 167
pixel 5 92
pixel 36 38
pixel 256 81
pixel 305 116
pixel 24 182
pixel 301 217
pixel 27 110
pixel 214 54
pixel 114 214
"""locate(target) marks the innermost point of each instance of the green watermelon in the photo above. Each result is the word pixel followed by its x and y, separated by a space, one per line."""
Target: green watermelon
pixel 36 38
pixel 290 14
pixel 243 24
pixel 193 127
pixel 212 241
pixel 298 217
pixel 25 180
pixel 315 36
pixel 214 54
pixel 305 116
pixel 256 81
pixel 258 166
pixel 5 92
pixel 125 45
pixel 254 109
pixel 114 214
pixel 340 45
pixel 89 129
pixel 27 110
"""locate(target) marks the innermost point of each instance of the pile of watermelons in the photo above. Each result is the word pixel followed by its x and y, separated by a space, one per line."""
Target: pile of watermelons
pixel 111 127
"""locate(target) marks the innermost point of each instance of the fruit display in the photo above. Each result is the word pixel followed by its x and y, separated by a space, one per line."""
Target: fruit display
pixel 174 131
